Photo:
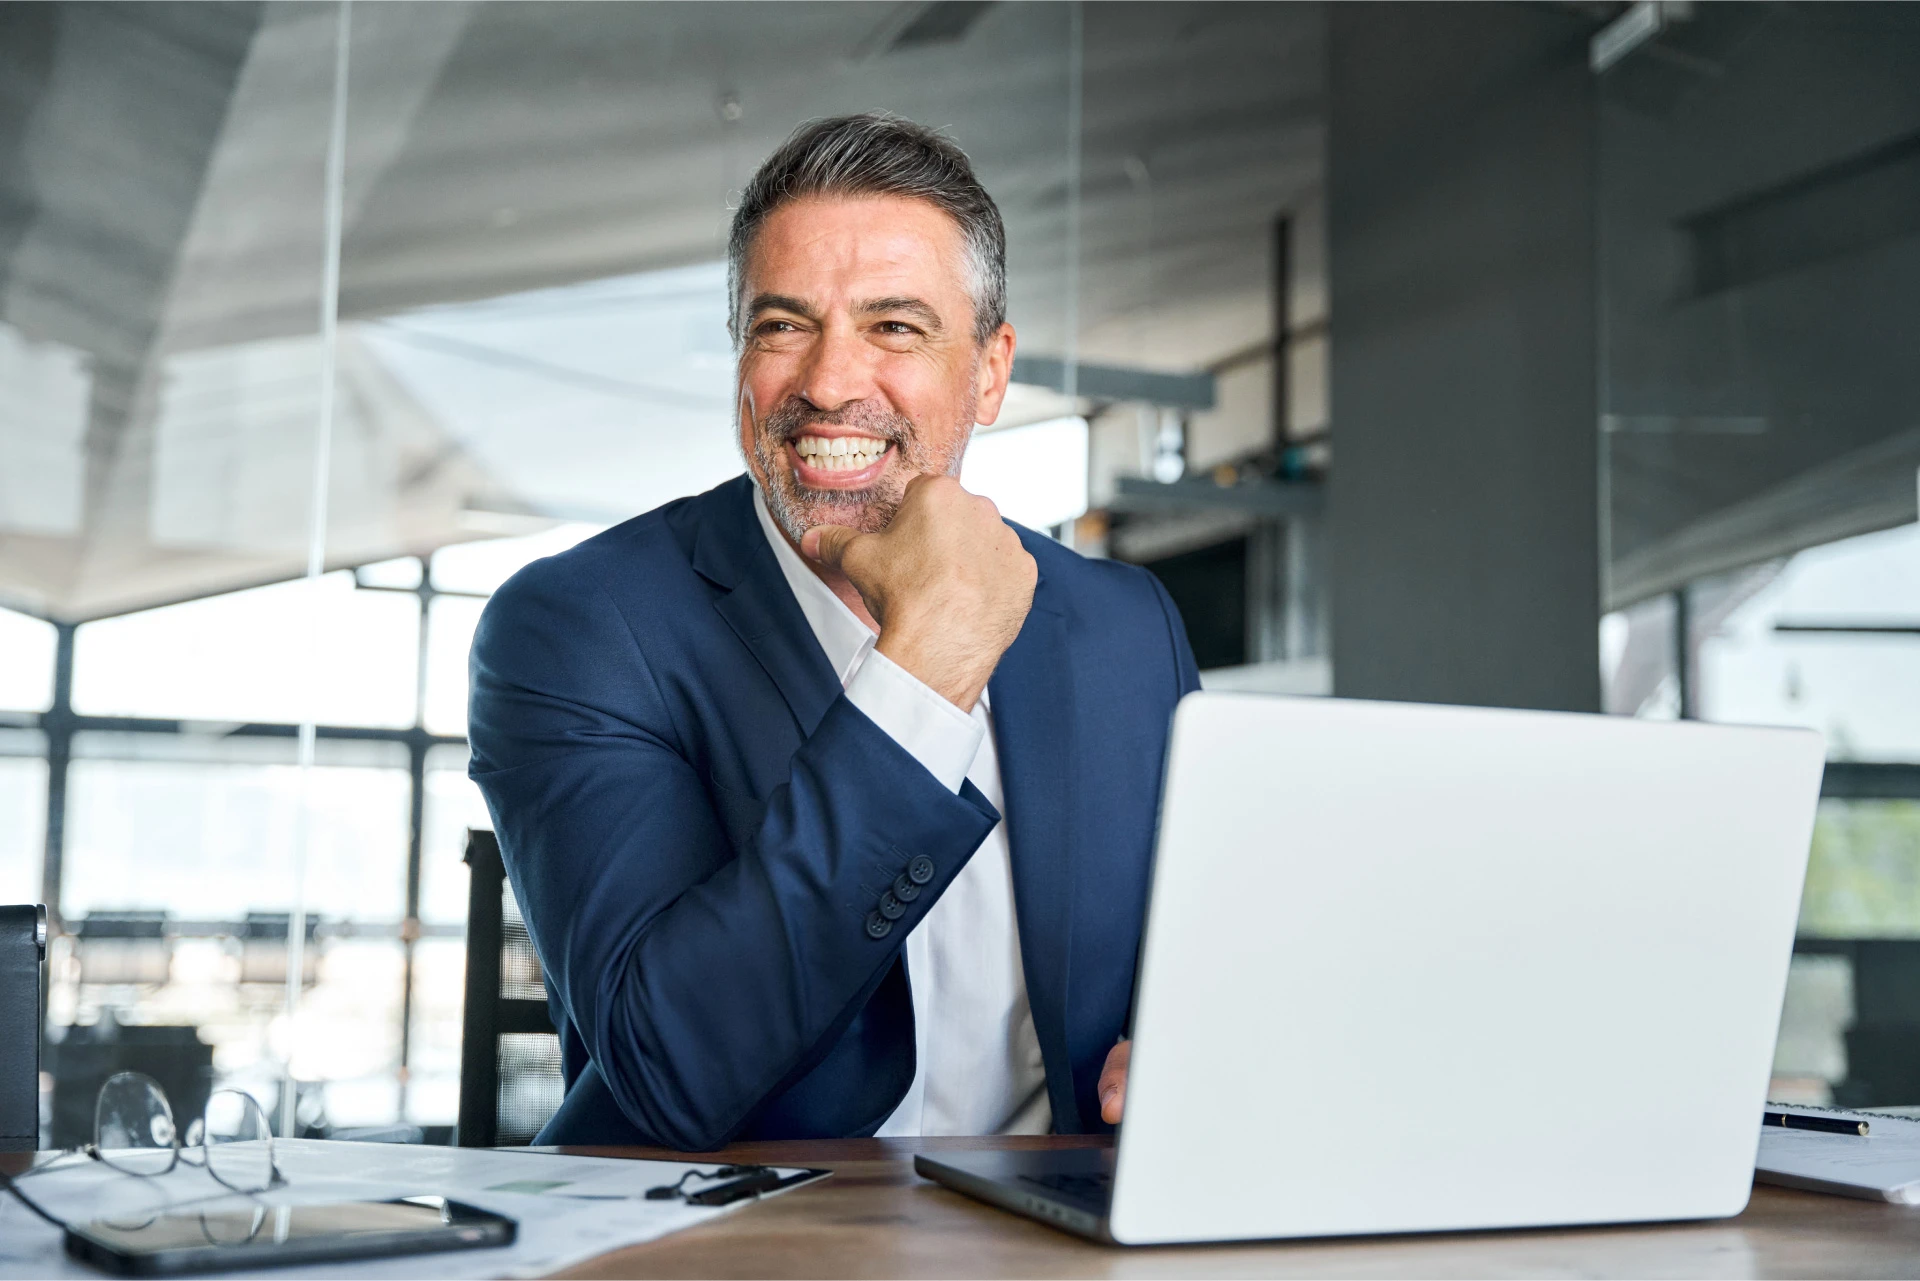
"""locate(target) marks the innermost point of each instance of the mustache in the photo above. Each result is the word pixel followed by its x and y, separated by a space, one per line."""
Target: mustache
pixel 793 416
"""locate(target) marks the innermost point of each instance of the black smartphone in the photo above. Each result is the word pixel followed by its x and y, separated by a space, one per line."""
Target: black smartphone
pixel 236 1233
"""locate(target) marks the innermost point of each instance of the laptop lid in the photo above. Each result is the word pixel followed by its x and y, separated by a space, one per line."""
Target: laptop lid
pixel 1413 968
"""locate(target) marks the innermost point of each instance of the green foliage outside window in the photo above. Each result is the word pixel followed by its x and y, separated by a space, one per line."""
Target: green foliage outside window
pixel 1863 879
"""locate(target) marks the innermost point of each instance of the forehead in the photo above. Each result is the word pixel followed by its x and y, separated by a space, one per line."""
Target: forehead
pixel 827 247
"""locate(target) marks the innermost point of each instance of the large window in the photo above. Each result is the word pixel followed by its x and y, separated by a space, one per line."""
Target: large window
pixel 217 837
pixel 1830 639
pixel 277 653
pixel 26 662
pixel 1863 879
pixel 1817 641
pixel 1757 435
pixel 469 572
pixel 23 814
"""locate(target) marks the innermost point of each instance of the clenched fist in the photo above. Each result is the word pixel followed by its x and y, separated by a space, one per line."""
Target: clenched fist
pixel 947 580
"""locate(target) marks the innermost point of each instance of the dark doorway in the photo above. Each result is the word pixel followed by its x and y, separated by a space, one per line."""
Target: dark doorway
pixel 1210 588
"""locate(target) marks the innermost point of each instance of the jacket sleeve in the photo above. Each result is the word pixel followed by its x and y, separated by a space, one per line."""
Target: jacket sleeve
pixel 699 980
pixel 1186 673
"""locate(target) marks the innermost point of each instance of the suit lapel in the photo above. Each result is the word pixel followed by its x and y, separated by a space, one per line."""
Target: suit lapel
pixel 1033 727
pixel 730 550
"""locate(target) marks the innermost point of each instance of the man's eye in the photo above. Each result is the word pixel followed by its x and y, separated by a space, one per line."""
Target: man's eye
pixel 896 327
pixel 776 327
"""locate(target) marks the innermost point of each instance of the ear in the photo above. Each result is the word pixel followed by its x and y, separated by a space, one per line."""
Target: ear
pixel 990 381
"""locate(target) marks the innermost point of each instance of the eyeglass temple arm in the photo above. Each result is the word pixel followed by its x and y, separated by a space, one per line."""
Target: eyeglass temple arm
pixel 13 1186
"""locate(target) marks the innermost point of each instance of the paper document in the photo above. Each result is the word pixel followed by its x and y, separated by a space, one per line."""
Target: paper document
pixel 1881 1165
pixel 569 1208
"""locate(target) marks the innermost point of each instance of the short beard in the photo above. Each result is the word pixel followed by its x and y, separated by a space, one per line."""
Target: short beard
pixel 796 508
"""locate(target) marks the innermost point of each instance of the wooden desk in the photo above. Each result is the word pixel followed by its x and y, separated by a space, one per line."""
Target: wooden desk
pixel 876 1218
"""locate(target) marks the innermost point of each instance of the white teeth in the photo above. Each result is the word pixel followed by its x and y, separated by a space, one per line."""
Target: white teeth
pixel 840 453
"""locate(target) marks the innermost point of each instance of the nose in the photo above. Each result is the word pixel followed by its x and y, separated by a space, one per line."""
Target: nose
pixel 837 372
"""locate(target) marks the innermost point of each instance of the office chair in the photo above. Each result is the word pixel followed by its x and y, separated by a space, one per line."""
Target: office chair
pixel 23 962
pixel 510 1080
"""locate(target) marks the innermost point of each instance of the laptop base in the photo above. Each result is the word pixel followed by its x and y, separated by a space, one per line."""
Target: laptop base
pixel 1067 1190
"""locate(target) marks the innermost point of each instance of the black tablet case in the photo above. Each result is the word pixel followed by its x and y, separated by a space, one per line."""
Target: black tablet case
pixel 23 951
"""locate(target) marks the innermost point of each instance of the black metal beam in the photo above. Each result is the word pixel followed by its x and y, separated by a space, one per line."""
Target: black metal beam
pixel 1116 383
pixel 1268 498
pixel 197 928
pixel 1683 670
pixel 81 724
pixel 417 749
pixel 426 588
pixel 1871 781
pixel 58 724
pixel 1282 329
pixel 1850 629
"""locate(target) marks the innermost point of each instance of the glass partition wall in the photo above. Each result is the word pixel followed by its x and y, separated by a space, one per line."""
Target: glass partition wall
pixel 1760 273
pixel 320 321
pixel 534 312
pixel 163 367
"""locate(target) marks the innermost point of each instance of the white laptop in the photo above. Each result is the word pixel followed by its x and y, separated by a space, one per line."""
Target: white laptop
pixel 1417 968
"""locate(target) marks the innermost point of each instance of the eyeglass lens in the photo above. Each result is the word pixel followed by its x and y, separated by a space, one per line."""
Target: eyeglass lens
pixel 133 1127
pixel 133 1131
pixel 236 1140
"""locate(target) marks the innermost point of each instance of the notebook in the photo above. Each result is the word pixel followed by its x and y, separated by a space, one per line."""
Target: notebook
pixel 1882 1165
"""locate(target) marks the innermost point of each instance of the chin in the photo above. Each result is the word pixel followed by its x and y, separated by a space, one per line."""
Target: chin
pixel 797 508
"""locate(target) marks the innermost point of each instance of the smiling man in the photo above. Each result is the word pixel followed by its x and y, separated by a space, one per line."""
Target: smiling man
pixel 828 795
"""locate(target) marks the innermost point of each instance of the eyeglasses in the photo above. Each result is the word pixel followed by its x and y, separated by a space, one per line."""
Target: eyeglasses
pixel 134 1133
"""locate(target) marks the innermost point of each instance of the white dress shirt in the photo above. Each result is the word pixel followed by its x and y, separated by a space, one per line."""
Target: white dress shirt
pixel 977 1065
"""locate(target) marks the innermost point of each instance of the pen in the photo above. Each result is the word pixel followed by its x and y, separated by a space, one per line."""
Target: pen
pixel 738 1189
pixel 1824 1124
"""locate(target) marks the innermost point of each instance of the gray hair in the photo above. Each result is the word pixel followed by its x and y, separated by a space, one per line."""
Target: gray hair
pixel 877 154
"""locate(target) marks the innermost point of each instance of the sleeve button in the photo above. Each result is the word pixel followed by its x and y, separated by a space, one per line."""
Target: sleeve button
pixel 920 871
pixel 878 926
pixel 891 907
pixel 904 889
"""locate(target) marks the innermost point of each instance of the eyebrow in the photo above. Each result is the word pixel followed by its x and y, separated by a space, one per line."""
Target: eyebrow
pixel 915 307
pixel 780 302
pixel 912 306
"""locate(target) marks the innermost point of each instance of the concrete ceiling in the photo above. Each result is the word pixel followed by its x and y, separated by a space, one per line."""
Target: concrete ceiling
pixel 161 175
pixel 509 146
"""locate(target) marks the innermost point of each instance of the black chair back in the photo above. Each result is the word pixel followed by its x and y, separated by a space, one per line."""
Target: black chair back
pixel 510 1079
pixel 23 958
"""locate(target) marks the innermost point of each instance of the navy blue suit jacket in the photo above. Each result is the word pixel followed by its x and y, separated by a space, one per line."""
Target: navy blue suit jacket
pixel 697 824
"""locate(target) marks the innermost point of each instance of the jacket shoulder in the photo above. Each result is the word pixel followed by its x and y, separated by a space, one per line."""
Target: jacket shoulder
pixel 647 558
pixel 1089 585
pixel 1121 612
pixel 617 583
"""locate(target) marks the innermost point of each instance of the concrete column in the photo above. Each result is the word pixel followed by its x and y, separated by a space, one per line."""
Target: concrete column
pixel 1464 500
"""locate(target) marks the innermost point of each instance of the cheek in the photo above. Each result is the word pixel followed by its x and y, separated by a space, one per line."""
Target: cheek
pixel 749 449
pixel 939 400
pixel 945 442
pixel 766 379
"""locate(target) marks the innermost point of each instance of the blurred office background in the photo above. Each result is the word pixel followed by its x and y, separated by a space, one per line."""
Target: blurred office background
pixel 1541 355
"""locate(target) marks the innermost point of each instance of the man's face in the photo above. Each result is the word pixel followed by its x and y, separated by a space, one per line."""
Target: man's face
pixel 858 364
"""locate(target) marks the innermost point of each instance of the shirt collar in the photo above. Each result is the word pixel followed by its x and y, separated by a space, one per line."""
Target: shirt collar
pixel 845 639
